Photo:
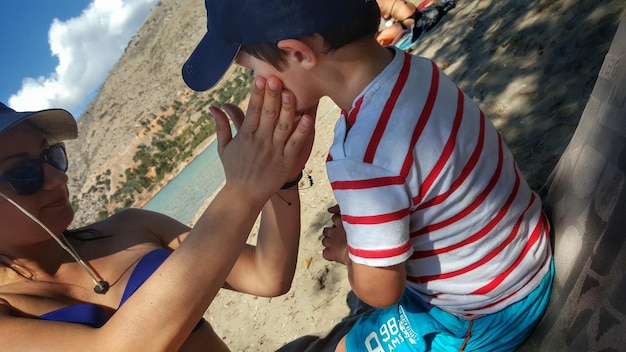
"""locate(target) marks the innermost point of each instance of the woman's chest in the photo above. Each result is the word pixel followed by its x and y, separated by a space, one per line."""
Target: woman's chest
pixel 73 286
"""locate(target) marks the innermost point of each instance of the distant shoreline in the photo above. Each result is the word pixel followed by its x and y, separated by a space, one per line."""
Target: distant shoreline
pixel 201 148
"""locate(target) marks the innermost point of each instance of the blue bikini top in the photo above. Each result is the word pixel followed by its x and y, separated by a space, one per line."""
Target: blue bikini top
pixel 93 314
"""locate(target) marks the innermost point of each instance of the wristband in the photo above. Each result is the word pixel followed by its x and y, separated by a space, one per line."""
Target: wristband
pixel 292 183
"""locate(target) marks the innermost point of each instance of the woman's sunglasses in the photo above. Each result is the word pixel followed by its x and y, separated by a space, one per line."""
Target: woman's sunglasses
pixel 28 177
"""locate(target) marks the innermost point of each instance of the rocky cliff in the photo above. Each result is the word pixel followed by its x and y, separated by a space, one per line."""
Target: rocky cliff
pixel 142 101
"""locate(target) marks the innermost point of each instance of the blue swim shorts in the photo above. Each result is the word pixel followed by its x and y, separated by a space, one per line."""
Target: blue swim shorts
pixel 412 325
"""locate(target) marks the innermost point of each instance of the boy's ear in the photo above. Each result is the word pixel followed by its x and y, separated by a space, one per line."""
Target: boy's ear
pixel 299 52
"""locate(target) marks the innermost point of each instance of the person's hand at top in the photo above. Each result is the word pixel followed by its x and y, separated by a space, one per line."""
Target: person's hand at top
pixel 266 149
pixel 388 35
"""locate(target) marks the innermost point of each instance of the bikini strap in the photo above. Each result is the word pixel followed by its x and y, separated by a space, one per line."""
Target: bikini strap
pixel 414 16
pixel 390 11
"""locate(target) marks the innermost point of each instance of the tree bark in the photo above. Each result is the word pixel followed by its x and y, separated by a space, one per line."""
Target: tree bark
pixel 585 199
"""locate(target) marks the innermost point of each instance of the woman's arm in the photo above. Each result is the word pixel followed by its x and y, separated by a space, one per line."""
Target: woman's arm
pixel 256 164
pixel 161 314
pixel 267 268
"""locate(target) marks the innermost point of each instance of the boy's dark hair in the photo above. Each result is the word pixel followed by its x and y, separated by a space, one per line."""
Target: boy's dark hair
pixel 334 38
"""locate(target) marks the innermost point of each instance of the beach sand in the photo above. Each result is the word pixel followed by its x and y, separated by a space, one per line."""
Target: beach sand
pixel 530 65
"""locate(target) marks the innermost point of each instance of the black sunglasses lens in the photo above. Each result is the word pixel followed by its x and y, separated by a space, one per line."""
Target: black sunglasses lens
pixel 27 179
pixel 56 157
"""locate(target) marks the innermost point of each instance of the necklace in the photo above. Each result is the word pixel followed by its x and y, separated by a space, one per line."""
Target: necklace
pixel 102 286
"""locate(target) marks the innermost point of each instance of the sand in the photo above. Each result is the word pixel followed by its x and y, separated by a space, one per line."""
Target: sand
pixel 530 65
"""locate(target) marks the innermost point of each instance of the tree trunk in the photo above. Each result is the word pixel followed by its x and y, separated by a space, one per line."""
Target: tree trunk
pixel 586 201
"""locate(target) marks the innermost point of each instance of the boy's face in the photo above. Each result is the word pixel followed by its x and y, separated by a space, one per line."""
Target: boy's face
pixel 291 78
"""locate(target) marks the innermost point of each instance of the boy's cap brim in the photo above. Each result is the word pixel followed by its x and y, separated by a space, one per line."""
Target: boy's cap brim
pixel 208 63
pixel 232 23
pixel 56 124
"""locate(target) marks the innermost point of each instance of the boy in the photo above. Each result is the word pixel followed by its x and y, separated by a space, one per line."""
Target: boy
pixel 437 229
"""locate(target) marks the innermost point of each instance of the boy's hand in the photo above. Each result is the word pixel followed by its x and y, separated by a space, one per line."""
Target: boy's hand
pixel 334 239
pixel 377 286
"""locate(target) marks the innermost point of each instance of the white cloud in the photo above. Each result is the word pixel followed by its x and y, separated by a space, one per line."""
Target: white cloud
pixel 87 47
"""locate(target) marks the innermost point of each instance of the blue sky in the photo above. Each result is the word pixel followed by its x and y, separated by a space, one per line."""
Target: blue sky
pixel 58 53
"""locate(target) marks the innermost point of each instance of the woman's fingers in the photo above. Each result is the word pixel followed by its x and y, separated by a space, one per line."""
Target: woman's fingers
pixel 277 118
pixel 235 114
pixel 222 128
pixel 271 110
pixel 286 118
pixel 298 138
pixel 273 107
pixel 255 106
pixel 269 141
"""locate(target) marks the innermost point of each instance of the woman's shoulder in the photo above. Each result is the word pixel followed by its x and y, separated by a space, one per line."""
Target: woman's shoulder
pixel 133 226
pixel 132 212
pixel 130 216
pixel 142 217
pixel 128 221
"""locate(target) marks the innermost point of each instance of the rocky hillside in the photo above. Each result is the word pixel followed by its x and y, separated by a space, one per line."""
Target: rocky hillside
pixel 144 116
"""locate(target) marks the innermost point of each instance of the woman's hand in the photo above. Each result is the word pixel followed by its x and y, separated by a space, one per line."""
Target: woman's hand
pixel 237 116
pixel 267 147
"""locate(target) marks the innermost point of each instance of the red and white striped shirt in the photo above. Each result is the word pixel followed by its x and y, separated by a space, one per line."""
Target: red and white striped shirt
pixel 422 177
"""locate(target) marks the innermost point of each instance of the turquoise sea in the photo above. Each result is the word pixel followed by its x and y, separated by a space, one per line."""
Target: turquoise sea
pixel 185 194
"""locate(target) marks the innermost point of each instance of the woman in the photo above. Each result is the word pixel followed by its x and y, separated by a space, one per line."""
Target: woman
pixel 47 296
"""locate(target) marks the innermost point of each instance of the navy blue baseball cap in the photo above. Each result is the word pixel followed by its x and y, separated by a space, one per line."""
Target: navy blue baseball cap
pixel 56 124
pixel 231 23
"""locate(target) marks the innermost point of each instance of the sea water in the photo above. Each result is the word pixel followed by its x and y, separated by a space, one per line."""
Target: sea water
pixel 188 192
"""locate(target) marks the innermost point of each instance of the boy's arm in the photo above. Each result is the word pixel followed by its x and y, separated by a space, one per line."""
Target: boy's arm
pixel 377 286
